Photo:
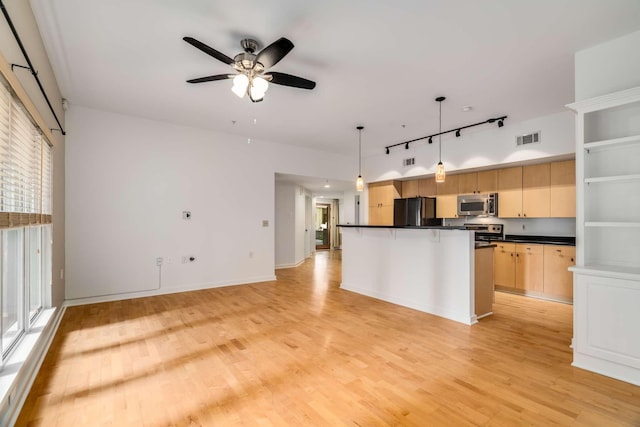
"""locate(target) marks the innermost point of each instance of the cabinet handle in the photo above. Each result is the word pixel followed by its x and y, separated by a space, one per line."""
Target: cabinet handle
pixel 518 214
pixel 558 250
pixel 524 214
pixel 571 259
pixel 512 254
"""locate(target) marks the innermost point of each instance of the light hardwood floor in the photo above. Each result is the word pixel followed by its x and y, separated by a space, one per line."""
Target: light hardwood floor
pixel 302 352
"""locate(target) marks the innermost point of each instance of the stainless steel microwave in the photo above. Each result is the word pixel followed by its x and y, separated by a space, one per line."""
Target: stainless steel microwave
pixel 478 204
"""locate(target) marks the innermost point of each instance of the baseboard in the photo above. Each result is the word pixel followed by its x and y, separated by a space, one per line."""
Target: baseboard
pixel 165 291
pixel 281 266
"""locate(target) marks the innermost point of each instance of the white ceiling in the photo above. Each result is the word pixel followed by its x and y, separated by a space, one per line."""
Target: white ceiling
pixel 376 63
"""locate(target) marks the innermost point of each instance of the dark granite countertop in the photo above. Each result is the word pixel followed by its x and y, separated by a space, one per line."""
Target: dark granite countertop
pixel 543 240
pixel 410 227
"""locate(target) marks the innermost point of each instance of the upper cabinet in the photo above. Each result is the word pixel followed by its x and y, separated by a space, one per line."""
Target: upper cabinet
pixel 563 189
pixel 425 187
pixel 478 182
pixel 546 190
pixel 510 192
pixel 536 191
pixel 447 197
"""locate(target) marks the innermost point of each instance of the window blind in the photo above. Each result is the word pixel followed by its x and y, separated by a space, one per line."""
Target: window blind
pixel 25 166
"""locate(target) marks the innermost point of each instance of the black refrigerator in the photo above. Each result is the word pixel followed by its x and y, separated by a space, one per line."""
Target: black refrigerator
pixel 415 211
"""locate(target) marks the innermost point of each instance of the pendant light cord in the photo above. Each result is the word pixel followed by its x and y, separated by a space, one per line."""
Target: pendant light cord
pixel 440 136
pixel 360 150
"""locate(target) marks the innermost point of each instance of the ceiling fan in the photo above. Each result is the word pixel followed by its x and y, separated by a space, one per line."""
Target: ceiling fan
pixel 251 78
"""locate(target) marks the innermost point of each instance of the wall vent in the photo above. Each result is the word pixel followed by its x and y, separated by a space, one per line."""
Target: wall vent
pixel 409 162
pixel 529 138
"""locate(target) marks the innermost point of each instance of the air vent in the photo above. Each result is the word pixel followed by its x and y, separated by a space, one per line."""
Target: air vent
pixel 409 162
pixel 529 138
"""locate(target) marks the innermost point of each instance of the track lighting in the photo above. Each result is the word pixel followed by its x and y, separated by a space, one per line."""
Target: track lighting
pixel 457 131
pixel 406 146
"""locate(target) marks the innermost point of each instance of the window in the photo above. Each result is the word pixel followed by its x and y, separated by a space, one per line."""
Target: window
pixel 25 220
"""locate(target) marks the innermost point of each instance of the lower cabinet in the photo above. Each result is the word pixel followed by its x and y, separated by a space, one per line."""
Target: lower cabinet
pixel 534 269
pixel 558 280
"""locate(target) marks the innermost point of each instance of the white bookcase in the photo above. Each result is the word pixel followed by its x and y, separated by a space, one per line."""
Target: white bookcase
pixel 607 271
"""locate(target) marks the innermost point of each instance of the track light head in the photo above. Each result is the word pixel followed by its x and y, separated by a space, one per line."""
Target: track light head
pixel 430 140
pixel 387 150
pixel 406 146
pixel 500 123
pixel 458 133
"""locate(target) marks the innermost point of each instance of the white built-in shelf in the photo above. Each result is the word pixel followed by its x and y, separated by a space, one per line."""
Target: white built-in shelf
pixel 617 224
pixel 614 271
pixel 610 143
pixel 618 178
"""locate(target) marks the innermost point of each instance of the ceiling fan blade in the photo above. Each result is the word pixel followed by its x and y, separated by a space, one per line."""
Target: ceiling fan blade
pixel 209 50
pixel 272 54
pixel 211 78
pixel 289 80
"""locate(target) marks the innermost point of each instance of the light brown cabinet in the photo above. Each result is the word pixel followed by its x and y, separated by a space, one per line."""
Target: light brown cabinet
pixel 536 191
pixel 381 196
pixel 510 192
pixel 558 280
pixel 484 291
pixel 425 187
pixel 534 269
pixel 529 267
pixel 447 198
pixel 563 189
pixel 478 182
pixel 504 265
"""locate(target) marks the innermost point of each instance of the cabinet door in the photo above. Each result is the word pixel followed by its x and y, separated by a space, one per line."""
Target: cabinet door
pixel 449 186
pixel 510 192
pixel 558 280
pixel 504 265
pixel 410 188
pixel 467 183
pixel 427 187
pixel 529 265
pixel 487 181
pixel 447 206
pixel 536 191
pixel 563 189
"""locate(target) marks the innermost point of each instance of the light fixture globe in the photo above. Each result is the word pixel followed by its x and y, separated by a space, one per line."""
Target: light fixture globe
pixel 259 87
pixel 440 174
pixel 359 180
pixel 240 84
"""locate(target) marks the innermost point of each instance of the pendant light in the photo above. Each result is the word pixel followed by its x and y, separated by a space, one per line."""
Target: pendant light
pixel 360 181
pixel 440 174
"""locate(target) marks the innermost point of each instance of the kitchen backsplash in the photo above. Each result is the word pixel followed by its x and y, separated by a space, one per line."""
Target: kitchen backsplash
pixel 529 226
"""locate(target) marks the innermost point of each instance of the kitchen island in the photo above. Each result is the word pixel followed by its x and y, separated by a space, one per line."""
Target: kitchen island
pixel 430 268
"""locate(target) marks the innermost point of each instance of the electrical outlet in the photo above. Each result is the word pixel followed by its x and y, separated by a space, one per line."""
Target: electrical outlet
pixel 265 222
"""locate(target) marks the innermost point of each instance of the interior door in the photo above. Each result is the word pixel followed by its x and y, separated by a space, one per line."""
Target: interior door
pixel 323 226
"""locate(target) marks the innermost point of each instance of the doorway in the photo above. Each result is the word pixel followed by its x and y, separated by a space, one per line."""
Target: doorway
pixel 323 226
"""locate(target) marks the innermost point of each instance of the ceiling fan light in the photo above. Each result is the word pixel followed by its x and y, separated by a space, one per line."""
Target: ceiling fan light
pixel 259 87
pixel 240 84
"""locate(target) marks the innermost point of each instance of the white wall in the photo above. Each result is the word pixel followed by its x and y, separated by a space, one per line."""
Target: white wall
pixel 608 67
pixel 128 181
pixel 486 146
pixel 284 224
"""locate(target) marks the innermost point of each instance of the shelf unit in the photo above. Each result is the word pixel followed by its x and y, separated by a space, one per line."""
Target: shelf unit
pixel 607 271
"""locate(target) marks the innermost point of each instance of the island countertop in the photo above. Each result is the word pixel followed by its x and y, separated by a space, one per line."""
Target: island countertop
pixel 412 227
